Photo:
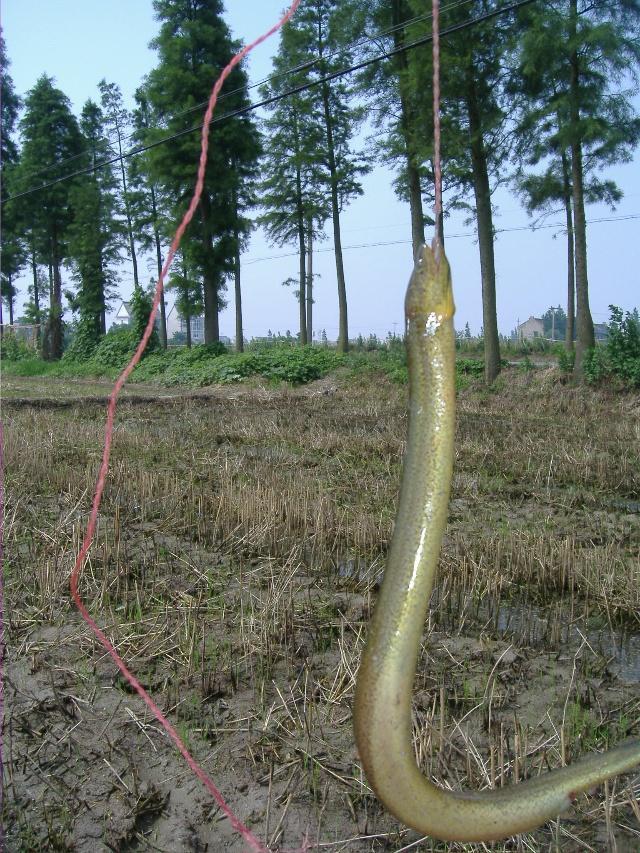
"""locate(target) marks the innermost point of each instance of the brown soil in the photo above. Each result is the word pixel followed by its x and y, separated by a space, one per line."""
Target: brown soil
pixel 241 541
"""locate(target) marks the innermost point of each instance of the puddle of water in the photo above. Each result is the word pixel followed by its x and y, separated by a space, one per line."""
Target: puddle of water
pixel 524 622
pixel 626 505
pixel 355 569
pixel 619 647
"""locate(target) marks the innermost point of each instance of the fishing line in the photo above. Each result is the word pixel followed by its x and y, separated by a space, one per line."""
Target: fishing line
pixel 252 841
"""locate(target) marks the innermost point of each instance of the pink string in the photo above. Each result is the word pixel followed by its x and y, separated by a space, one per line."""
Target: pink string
pixel 2 644
pixel 437 165
pixel 253 842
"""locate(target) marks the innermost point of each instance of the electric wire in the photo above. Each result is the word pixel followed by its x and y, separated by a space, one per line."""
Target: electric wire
pixel 274 99
pixel 270 78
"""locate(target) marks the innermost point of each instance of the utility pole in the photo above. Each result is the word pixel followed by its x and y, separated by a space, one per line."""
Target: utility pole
pixel 553 321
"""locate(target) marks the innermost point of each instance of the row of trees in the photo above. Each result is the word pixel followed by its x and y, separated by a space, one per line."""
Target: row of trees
pixel 539 95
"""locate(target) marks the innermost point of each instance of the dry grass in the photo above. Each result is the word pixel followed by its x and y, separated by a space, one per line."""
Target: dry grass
pixel 241 541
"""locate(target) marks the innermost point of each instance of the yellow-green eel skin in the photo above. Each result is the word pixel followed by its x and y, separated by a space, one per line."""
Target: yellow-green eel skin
pixel 382 709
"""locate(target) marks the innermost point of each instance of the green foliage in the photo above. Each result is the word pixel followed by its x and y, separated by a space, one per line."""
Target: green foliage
pixel 205 365
pixel 620 356
pixel 566 360
pixel 141 304
pixel 14 349
pixel 116 348
pixel 84 343
pixel 471 367
pixel 623 345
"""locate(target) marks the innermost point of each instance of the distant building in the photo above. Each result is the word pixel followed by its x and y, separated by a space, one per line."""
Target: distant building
pixel 123 315
pixel 177 325
pixel 530 329
pixel 601 331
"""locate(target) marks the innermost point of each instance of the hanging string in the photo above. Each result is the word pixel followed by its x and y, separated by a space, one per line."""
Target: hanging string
pixel 437 165
pixel 2 643
pixel 251 840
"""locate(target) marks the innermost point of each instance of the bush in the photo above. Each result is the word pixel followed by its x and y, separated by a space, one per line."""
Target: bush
pixel 620 355
pixel 83 343
pixel 115 349
pixel 13 348
pixel 297 365
pixel 623 346
pixel 566 360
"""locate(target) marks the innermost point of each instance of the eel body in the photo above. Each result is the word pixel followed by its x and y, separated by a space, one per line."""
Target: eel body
pixel 382 709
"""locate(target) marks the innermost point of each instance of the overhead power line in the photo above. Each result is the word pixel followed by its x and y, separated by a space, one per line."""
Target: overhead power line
pixel 275 98
pixel 381 243
pixel 271 77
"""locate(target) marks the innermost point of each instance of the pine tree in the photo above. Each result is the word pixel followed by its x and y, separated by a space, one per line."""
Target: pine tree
pixel 95 235
pixel 393 105
pixel 145 196
pixel 475 139
pixel 575 61
pixel 9 108
pixel 293 193
pixel 193 45
pixel 117 121
pixel 13 254
pixel 51 141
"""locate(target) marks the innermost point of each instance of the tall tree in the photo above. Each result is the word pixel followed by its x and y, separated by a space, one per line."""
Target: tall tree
pixel 314 32
pixel 577 63
pixel 475 139
pixel 145 196
pixel 294 197
pixel 391 98
pixel 13 255
pixel 95 234
pixel 117 121
pixel 51 139
pixel 193 45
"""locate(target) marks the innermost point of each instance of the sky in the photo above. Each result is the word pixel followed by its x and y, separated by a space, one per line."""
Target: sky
pixel 78 42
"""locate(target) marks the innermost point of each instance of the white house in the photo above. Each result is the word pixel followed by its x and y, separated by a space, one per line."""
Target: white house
pixel 123 315
pixel 177 324
pixel 530 329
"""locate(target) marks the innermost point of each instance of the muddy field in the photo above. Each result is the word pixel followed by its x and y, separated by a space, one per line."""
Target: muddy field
pixel 241 542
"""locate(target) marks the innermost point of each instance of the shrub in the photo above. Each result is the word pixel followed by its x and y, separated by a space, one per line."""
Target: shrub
pixel 115 349
pixel 566 360
pixel 620 355
pixel 13 348
pixel 83 343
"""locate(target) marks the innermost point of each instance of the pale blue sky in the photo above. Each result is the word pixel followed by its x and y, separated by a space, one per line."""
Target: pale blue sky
pixel 80 41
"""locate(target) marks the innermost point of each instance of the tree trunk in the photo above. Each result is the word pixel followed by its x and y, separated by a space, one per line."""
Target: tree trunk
pixel 127 211
pixel 11 296
pixel 407 123
pixel 156 238
pixel 571 269
pixel 343 333
pixel 55 314
pixel 585 338
pixel 236 269
pixel 238 296
pixel 310 280
pixel 36 288
pixel 302 293
pixel 484 219
pixel 210 279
